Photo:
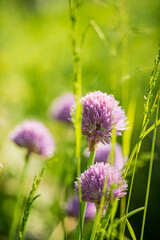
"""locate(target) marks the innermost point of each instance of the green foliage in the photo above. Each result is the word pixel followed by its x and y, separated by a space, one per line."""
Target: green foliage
pixel 131 230
pixel 32 197
pixel 116 41
pixel 150 170
pixel 148 110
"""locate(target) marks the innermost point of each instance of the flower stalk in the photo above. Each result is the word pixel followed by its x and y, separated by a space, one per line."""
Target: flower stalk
pixel 95 224
pixel 82 210
pixel 17 210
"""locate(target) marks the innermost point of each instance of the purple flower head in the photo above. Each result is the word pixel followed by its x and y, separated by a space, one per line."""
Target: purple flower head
pixel 73 208
pixel 92 182
pixel 61 107
pixel 100 114
pixel 103 152
pixel 34 136
pixel 118 117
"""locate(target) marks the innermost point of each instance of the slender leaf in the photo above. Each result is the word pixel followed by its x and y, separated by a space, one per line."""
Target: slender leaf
pixel 131 230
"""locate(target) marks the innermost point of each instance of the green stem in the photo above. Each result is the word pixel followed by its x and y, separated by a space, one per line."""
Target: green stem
pixel 78 234
pixel 113 213
pixel 122 213
pixel 95 224
pixel 32 198
pixel 91 158
pixel 130 214
pixel 149 174
pixel 151 128
pixel 77 85
pixel 20 196
pixel 107 222
pixel 136 146
pixel 131 186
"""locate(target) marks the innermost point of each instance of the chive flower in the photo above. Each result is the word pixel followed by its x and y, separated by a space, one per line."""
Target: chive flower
pixel 61 107
pixel 35 137
pixel 73 208
pixel 101 113
pixel 103 154
pixel 92 183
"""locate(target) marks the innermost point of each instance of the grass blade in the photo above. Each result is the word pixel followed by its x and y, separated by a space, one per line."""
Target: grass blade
pixel 131 230
pixel 32 198
pixel 148 110
pixel 77 82
pixel 130 214
pixel 150 173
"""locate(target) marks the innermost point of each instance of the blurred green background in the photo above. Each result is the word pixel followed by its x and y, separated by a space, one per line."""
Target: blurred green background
pixel 36 67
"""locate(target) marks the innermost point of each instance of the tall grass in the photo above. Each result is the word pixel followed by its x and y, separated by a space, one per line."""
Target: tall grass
pixel 149 107
pixel 148 111
pixel 19 203
pixel 77 89
pixel 32 197
pixel 107 226
pixel 150 170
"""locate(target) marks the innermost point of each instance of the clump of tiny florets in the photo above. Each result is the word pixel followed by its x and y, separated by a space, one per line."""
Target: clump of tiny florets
pixel 61 107
pixel 103 155
pixel 34 136
pixel 73 208
pixel 101 114
pixel 118 117
pixel 92 183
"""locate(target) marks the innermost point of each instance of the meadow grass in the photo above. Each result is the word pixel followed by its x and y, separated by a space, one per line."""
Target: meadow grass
pixel 32 197
pixel 20 196
pixel 148 111
pixel 104 44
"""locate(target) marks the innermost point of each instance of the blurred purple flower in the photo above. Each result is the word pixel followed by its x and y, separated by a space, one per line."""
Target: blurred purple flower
pixel 61 107
pixel 34 136
pixel 118 117
pixel 92 182
pixel 100 114
pixel 73 208
pixel 102 154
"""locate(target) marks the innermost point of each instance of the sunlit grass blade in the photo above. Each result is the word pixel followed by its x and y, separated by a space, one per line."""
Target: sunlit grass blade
pixel 150 172
pixel 151 128
pixel 131 230
pixel 126 139
pixel 93 24
pixel 77 82
pixel 127 134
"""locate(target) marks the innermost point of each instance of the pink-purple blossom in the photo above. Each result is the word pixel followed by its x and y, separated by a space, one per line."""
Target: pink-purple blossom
pixel 61 107
pixel 101 113
pixel 34 136
pixel 92 183
pixel 103 154
pixel 73 208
